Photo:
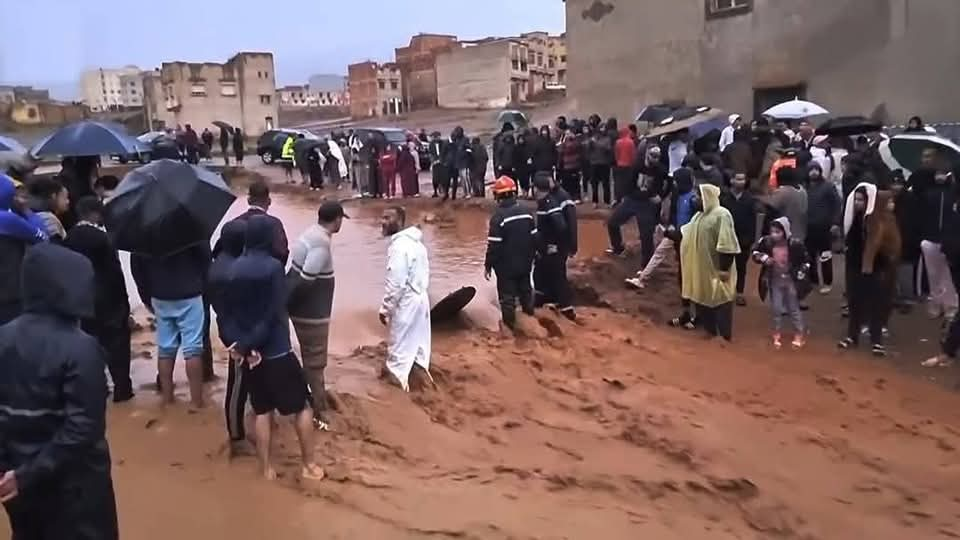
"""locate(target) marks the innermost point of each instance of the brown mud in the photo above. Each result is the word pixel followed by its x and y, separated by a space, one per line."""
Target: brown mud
pixel 612 427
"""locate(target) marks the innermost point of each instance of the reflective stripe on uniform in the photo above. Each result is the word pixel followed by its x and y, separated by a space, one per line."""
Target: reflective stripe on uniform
pixel 31 413
pixel 494 239
pixel 550 211
pixel 534 231
pixel 515 218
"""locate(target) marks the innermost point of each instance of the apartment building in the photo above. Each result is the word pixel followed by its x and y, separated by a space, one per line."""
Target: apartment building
pixel 240 92
pixel 111 89
pixel 888 57
pixel 489 73
pixel 546 59
pixel 375 89
pixel 323 91
pixel 418 68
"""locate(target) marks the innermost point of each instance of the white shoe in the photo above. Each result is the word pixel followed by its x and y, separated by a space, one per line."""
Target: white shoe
pixel 636 283
pixel 826 289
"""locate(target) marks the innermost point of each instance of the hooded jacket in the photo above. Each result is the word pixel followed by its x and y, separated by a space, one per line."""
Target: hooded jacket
pixel 16 234
pixel 908 215
pixel 53 395
pixel 873 238
pixel 824 206
pixel 791 201
pixel 625 150
pixel 600 150
pixel 799 261
pixel 256 296
pixel 708 243
pixel 228 248
pixel 544 154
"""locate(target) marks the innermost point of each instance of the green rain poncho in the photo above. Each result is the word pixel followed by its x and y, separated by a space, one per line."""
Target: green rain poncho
pixel 708 234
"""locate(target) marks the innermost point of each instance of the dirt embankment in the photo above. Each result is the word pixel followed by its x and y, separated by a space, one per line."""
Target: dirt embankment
pixel 618 428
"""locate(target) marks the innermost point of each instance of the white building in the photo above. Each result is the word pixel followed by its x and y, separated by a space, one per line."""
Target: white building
pixel 105 89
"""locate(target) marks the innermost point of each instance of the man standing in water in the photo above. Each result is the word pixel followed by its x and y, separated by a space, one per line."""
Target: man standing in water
pixel 255 296
pixel 510 251
pixel 405 309
pixel 54 460
pixel 310 284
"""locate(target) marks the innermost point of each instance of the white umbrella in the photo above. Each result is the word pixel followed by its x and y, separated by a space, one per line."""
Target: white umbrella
pixel 891 162
pixel 795 110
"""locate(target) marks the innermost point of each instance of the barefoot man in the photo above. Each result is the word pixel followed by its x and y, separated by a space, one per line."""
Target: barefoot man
pixel 255 296
pixel 406 309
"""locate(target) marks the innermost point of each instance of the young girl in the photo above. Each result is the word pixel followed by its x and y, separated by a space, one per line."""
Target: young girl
pixel 785 276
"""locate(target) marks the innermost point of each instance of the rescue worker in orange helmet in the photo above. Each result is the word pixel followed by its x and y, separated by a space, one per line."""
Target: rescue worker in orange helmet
pixel 511 247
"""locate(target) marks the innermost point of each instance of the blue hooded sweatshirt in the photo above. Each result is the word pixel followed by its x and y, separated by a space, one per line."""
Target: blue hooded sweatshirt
pixel 13 224
pixel 255 295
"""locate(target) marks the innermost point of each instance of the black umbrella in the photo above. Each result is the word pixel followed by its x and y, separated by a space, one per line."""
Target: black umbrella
pixel 654 114
pixel 165 207
pixel 88 138
pixel 848 126
pixel 223 125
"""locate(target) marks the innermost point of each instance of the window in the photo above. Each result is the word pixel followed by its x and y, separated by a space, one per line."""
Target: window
pixel 382 84
pixel 727 8
pixel 553 62
pixel 393 85
pixel 198 90
pixel 228 90
pixel 563 59
pixel 539 59
pixel 523 66
pixel 265 99
pixel 516 64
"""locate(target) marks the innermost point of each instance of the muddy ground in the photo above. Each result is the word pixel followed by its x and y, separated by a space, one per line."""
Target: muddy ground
pixel 614 427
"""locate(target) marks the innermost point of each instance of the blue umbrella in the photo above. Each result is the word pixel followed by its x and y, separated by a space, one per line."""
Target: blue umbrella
pixel 11 145
pixel 87 138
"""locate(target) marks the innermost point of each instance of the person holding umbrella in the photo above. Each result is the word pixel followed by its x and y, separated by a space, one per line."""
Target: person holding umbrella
pixel 238 149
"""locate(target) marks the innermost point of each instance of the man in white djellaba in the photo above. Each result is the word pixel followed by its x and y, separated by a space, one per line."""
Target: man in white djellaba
pixel 405 309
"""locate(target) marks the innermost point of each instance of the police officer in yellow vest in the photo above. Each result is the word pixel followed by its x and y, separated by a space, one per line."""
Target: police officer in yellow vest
pixel 288 156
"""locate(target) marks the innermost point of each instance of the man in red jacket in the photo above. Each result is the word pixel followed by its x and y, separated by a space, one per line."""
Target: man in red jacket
pixel 625 156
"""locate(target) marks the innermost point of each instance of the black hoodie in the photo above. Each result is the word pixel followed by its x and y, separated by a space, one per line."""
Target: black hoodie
pixel 936 202
pixel 112 303
pixel 53 399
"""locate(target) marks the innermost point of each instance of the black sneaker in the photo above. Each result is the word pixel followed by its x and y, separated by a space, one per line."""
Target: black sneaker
pixel 846 344
pixel 879 351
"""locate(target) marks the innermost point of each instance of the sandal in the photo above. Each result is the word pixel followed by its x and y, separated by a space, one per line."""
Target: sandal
pixel 937 361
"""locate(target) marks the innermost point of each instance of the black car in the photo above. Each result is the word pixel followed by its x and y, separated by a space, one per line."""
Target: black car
pixel 154 145
pixel 270 144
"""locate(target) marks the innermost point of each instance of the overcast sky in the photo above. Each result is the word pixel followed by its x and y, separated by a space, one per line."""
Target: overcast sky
pixel 49 42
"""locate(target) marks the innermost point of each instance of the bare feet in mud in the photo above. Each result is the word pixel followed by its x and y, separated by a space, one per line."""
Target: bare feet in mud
pixel 312 473
pixel 269 473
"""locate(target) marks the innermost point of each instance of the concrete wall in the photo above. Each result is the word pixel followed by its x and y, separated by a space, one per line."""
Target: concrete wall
pixel 475 77
pixel 362 83
pixel 898 57
pixel 257 83
pixel 417 63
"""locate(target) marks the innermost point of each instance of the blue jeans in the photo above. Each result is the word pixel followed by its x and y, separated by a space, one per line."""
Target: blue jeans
pixel 784 301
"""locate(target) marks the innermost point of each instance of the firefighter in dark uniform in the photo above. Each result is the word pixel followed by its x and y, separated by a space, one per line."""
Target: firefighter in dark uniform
pixel 569 210
pixel 556 242
pixel 511 248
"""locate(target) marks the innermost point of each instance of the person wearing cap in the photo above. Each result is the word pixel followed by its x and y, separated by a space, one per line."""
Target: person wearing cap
pixel 310 285
pixel 553 249
pixel 511 244
pixel 726 136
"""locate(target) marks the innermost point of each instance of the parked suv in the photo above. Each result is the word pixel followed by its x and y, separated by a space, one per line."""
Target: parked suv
pixel 270 144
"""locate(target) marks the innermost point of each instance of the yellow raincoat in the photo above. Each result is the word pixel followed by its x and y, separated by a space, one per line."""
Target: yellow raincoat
pixel 709 233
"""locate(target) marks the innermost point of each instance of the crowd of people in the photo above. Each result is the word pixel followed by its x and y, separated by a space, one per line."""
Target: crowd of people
pixel 776 195
pixel 753 194
pixel 65 318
